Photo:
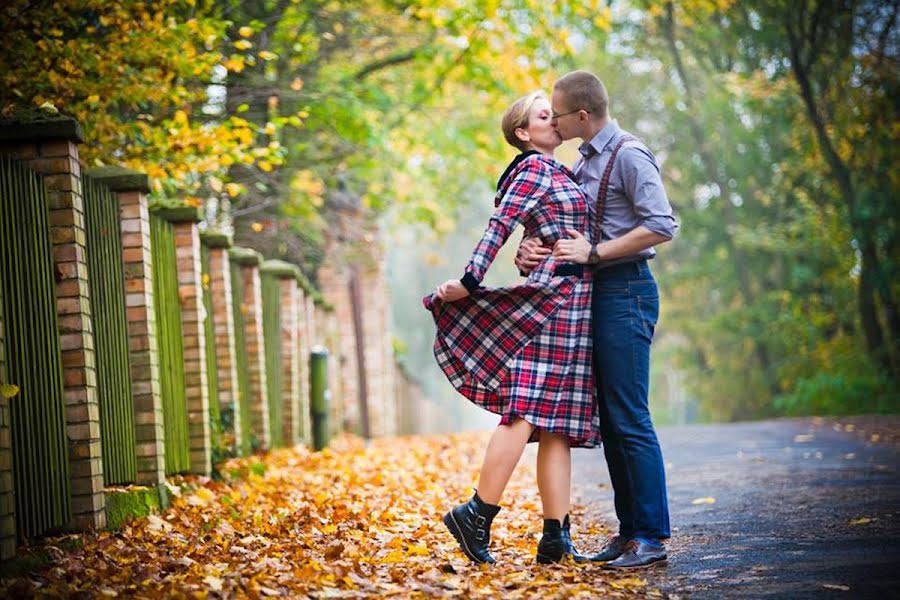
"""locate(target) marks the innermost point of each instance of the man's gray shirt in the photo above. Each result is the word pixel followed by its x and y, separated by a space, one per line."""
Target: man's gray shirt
pixel 635 196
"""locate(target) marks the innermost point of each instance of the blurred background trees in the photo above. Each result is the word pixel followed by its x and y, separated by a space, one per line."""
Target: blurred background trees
pixel 777 123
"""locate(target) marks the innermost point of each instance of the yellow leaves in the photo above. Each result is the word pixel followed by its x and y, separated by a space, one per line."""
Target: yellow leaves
pixel 603 19
pixel 355 521
pixel 630 582
pixel 243 44
pixel 8 390
pixel 245 31
pixel 297 84
pixel 257 227
pixel 862 521
pixel 234 63
pixel 233 189
pixel 704 500
pixel 266 55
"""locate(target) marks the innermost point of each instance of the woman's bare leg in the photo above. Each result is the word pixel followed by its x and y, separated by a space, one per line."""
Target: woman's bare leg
pixel 554 475
pixel 501 457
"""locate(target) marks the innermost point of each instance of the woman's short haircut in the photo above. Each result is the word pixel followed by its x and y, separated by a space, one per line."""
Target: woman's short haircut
pixel 584 91
pixel 516 116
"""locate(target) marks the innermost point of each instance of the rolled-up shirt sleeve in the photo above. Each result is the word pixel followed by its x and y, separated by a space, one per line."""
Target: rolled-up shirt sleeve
pixel 643 184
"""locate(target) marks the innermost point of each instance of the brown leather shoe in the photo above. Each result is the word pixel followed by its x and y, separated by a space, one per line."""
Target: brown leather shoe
pixel 637 555
pixel 612 550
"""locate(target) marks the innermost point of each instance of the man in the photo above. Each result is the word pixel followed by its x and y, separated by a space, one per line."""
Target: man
pixel 633 216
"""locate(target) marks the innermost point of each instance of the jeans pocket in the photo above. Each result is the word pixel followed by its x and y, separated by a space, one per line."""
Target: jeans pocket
pixel 647 314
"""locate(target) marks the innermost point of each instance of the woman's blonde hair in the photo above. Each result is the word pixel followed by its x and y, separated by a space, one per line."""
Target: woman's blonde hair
pixel 516 116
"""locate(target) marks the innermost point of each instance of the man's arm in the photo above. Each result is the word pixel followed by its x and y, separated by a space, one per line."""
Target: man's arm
pixel 643 186
pixel 578 249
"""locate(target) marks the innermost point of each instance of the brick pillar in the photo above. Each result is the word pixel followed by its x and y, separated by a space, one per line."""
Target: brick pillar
pixel 185 221
pixel 249 260
pixel 49 147
pixel 289 337
pixel 223 328
pixel 378 344
pixel 333 279
pixel 7 500
pixel 131 189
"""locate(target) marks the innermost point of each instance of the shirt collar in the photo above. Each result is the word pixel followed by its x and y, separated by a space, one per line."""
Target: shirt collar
pixel 597 144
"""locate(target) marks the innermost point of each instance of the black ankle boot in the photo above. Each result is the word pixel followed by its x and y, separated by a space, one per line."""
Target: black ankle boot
pixel 557 542
pixel 470 524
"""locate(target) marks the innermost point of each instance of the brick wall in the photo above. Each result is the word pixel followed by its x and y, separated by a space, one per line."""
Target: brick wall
pixel 132 188
pixel 51 149
pixel 190 293
pixel 334 277
pixel 223 329
pixel 249 261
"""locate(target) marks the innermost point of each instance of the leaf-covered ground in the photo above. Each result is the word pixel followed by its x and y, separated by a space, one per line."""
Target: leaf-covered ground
pixel 351 521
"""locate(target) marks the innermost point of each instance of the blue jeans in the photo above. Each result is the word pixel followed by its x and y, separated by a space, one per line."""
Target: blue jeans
pixel 625 307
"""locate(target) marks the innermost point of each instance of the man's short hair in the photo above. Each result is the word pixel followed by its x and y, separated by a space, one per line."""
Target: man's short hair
pixel 584 91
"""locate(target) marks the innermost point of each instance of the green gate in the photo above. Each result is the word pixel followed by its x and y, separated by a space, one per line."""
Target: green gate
pixel 271 305
pixel 212 368
pixel 34 362
pixel 107 283
pixel 170 344
pixel 248 441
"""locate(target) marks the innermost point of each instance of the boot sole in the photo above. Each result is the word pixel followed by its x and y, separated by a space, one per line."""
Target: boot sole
pixel 547 560
pixel 456 530
pixel 654 563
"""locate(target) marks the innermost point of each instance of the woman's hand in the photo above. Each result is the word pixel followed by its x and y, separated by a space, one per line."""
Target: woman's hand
pixel 451 290
pixel 574 250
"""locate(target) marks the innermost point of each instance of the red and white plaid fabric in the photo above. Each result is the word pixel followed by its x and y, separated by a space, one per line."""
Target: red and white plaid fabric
pixel 525 351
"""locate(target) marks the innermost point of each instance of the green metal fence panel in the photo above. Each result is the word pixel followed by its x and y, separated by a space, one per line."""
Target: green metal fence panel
pixel 240 359
pixel 34 361
pixel 170 343
pixel 212 367
pixel 107 283
pixel 271 305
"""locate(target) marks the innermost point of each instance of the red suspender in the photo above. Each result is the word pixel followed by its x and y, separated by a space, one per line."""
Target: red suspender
pixel 601 193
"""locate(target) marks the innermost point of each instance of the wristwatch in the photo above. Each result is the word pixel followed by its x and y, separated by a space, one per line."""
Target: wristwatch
pixel 593 257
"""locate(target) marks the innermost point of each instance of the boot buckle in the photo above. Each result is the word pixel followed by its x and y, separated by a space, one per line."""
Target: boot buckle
pixel 480 520
pixel 480 534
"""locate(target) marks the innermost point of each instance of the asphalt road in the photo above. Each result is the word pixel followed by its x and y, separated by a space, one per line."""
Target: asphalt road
pixel 792 508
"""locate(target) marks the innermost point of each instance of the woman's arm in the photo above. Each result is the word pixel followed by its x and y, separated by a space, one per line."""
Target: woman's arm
pixel 531 182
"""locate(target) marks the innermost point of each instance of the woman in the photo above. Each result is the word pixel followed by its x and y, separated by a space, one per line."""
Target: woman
pixel 524 352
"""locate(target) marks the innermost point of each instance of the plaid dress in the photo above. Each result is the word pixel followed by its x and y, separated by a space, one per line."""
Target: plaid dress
pixel 525 351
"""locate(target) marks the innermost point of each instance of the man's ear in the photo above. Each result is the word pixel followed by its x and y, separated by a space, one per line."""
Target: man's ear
pixel 522 134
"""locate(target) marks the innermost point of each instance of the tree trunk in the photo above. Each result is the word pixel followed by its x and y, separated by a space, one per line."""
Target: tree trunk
pixel 360 335
pixel 840 172
pixel 738 257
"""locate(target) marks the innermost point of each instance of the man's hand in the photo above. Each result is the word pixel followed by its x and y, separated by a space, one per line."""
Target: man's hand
pixel 574 250
pixel 451 290
pixel 531 253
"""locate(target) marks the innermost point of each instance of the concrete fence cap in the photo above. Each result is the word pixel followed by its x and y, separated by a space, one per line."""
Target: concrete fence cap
pixel 36 124
pixel 176 213
pixel 120 179
pixel 245 256
pixel 216 239
pixel 280 268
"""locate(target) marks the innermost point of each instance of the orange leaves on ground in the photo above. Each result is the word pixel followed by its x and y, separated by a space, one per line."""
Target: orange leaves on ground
pixel 351 521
